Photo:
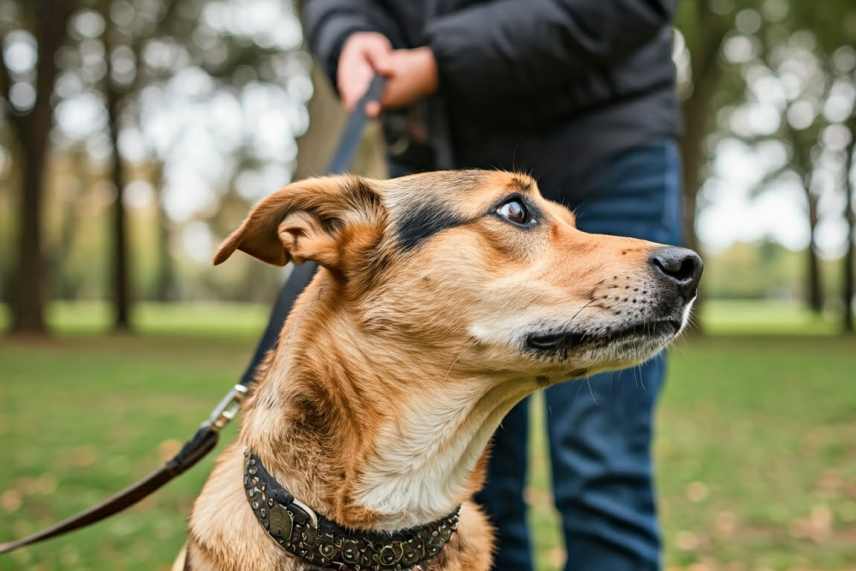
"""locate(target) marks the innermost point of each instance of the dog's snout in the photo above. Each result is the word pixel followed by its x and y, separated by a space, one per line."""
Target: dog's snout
pixel 680 266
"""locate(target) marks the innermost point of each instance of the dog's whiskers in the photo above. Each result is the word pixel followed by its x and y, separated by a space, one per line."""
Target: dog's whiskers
pixel 580 310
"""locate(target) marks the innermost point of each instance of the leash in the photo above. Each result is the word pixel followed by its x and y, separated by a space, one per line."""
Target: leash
pixel 206 437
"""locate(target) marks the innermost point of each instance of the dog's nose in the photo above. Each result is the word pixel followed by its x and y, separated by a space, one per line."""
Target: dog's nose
pixel 680 266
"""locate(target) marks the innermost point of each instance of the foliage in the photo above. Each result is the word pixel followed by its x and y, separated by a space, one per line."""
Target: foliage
pixel 191 87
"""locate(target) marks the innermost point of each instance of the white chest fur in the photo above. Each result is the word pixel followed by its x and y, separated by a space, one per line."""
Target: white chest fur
pixel 424 457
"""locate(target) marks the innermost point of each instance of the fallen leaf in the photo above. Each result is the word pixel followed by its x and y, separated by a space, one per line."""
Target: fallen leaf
pixel 687 541
pixel 11 500
pixel 697 492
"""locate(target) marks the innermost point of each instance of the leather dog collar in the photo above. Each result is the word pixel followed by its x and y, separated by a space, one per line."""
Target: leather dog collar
pixel 322 542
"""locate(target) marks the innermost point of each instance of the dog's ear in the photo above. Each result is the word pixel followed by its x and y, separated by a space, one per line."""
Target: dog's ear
pixel 317 219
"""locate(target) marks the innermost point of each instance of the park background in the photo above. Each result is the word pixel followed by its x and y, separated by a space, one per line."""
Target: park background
pixel 135 134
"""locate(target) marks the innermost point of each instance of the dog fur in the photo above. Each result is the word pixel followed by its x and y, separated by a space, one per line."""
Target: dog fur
pixel 403 355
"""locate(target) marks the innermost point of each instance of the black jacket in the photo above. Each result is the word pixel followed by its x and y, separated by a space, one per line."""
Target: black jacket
pixel 548 86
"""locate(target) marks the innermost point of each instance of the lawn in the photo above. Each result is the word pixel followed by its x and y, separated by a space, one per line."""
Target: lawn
pixel 756 448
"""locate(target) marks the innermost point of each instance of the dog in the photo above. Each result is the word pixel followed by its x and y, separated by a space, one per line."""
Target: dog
pixel 442 300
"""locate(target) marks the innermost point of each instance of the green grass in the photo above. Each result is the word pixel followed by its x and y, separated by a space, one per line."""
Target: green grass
pixel 745 317
pixel 756 449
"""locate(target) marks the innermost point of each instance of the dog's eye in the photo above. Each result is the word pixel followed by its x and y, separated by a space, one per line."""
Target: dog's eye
pixel 516 212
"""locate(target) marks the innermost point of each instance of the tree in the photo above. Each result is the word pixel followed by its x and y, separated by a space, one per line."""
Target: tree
pixel 704 28
pixel 113 98
pixel 26 89
pixel 802 143
pixel 709 83
pixel 849 265
pixel 836 42
pixel 801 126
pixel 787 71
pixel 228 59
pixel 834 46
pixel 125 37
pixel 166 286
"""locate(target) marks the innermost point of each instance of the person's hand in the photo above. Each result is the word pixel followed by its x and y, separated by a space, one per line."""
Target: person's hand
pixel 412 76
pixel 363 55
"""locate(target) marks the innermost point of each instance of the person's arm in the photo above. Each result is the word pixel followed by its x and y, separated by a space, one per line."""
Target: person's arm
pixel 509 47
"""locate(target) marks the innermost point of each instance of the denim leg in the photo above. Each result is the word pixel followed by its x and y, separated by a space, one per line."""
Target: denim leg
pixel 600 429
pixel 502 496
pixel 600 433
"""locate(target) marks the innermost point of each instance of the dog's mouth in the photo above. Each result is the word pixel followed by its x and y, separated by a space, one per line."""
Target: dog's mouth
pixel 562 342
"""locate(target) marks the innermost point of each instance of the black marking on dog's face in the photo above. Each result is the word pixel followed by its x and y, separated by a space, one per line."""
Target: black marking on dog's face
pixel 423 221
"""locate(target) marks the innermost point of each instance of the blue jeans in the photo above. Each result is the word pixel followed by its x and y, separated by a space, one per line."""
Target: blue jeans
pixel 599 430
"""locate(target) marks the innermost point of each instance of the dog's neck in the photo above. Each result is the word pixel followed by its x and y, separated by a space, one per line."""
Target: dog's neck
pixel 368 430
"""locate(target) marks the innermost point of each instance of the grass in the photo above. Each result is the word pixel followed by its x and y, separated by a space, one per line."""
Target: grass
pixel 756 451
pixel 742 317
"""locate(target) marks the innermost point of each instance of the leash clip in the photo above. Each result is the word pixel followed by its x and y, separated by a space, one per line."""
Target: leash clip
pixel 226 409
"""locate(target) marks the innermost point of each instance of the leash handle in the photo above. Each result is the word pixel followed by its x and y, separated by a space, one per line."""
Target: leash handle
pixel 206 437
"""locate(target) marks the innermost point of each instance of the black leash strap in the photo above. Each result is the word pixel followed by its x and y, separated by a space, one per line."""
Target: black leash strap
pixel 207 436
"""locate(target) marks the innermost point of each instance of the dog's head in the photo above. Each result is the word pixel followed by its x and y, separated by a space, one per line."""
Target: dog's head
pixel 479 264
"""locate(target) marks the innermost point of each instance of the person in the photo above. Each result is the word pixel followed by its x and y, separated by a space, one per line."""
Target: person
pixel 580 94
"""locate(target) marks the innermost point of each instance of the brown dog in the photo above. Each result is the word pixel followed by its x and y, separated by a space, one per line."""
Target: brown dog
pixel 443 300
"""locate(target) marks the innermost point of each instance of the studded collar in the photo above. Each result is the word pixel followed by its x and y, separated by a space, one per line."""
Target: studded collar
pixel 326 544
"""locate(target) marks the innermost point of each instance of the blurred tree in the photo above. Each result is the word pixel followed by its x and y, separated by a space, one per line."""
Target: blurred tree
pixel 704 25
pixel 180 90
pixel 848 288
pixel 75 184
pixel 802 142
pixel 708 82
pixel 166 285
pixel 786 66
pixel 832 33
pixel 33 32
pixel 788 72
pixel 148 43
pixel 129 27
pixel 113 96
pixel 835 30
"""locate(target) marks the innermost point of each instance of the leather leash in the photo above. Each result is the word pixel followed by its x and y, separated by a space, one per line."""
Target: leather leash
pixel 207 435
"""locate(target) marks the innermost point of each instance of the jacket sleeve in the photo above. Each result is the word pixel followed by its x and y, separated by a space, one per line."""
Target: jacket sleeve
pixel 328 23
pixel 511 47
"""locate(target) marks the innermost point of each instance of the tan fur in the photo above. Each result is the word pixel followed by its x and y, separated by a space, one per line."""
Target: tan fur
pixel 386 339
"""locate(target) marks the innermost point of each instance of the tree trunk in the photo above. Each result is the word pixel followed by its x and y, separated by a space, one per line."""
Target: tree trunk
pixel 804 167
pixel 64 285
pixel 849 269
pixel 697 113
pixel 165 288
pixel 120 278
pixel 28 300
pixel 32 131
pixel 814 280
